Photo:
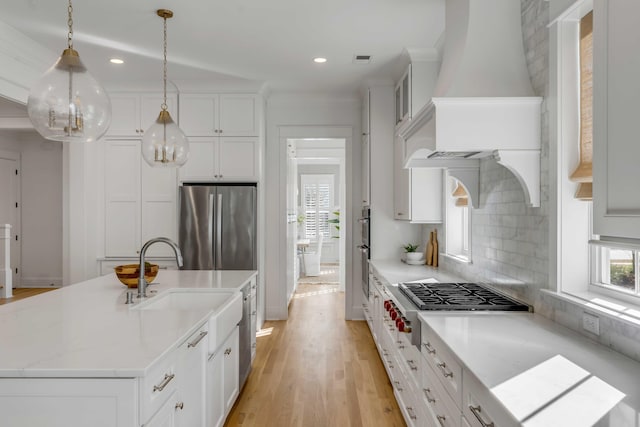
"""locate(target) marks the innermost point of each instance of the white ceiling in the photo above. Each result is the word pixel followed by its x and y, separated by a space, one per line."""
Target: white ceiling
pixel 270 42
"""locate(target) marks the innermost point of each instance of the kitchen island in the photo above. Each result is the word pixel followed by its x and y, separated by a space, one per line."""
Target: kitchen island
pixel 86 343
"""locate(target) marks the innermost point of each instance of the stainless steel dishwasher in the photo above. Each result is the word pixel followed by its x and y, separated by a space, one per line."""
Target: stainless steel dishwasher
pixel 245 335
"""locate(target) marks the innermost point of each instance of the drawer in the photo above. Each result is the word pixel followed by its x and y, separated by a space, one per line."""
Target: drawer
pixel 448 370
pixel 440 408
pixel 405 396
pixel 412 361
pixel 480 408
pixel 157 385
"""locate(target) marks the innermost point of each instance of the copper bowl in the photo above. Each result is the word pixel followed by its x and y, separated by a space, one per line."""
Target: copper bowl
pixel 128 274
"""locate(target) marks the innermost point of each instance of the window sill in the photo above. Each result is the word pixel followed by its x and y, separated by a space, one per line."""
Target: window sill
pixel 607 306
pixel 457 258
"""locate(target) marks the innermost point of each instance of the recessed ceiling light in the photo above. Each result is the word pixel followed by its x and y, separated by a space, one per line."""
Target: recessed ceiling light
pixel 320 60
pixel 116 61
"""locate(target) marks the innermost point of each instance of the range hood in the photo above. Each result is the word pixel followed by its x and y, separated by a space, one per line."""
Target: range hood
pixel 483 103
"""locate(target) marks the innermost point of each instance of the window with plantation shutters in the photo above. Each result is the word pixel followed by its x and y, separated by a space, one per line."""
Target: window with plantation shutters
pixel 317 200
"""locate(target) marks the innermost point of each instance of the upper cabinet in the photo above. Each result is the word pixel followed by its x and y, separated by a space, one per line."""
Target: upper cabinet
pixel 616 193
pixel 222 159
pixel 403 97
pixel 219 115
pixel 133 113
pixel 366 152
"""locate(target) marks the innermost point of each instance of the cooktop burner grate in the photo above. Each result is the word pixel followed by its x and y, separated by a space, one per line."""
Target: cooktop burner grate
pixel 458 296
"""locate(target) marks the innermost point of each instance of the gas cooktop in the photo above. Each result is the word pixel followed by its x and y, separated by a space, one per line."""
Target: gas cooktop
pixel 458 296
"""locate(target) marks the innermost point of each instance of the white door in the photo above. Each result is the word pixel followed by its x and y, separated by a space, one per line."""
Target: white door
pixel 10 206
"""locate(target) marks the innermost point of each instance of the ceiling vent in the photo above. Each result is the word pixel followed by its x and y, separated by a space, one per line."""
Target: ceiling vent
pixel 361 59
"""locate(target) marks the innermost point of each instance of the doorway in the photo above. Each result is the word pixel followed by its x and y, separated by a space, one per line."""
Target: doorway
pixel 316 197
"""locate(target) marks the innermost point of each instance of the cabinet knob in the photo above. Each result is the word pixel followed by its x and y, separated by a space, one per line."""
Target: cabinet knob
pixel 227 351
pixel 215 130
pixel 179 405
pixel 400 214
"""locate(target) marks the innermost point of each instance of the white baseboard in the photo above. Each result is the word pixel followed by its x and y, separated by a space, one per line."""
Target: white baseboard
pixel 40 282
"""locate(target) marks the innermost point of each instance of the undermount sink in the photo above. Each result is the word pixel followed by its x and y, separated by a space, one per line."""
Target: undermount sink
pixel 185 300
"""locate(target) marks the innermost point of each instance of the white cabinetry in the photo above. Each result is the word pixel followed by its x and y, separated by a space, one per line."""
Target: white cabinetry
pixel 133 113
pixel 219 115
pixel 72 402
pixel 166 415
pixel 366 152
pixel 222 385
pixel 616 194
pixel 191 366
pixel 403 97
pixel 140 201
pixel 222 158
pixel 417 191
pixel 223 133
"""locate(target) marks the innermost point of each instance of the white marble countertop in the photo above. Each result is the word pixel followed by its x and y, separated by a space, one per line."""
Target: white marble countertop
pixel 543 373
pixel 396 271
pixel 86 329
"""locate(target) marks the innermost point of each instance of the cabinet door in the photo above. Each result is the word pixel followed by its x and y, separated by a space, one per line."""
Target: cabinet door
pixel 191 375
pixel 125 115
pixel 366 151
pixel 199 114
pixel 401 183
pixel 239 115
pixel 159 212
pixel 122 197
pixel 616 193
pixel 166 415
pixel 68 402
pixel 214 397
pixel 238 159
pixel 231 369
pixel 200 166
pixel 426 195
pixel 151 105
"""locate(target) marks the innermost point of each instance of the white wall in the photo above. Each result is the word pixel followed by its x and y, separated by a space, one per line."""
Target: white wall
pixel 41 195
pixel 313 112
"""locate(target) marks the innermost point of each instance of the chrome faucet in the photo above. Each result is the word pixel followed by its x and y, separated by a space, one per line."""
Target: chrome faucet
pixel 142 282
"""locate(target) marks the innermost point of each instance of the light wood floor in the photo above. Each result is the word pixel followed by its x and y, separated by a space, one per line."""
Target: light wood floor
pixel 21 293
pixel 316 370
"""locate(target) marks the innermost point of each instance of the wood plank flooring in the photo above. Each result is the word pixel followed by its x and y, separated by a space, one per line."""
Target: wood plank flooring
pixel 21 293
pixel 316 370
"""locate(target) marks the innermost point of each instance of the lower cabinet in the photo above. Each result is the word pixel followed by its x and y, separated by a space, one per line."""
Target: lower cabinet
pixel 192 358
pixel 68 402
pixel 166 416
pixel 222 378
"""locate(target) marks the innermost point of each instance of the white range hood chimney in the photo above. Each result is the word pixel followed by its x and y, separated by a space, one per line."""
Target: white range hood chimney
pixel 483 103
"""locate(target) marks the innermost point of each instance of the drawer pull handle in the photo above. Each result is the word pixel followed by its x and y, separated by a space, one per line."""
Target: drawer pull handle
pixel 443 367
pixel 429 398
pixel 441 419
pixel 397 383
pixel 412 365
pixel 476 411
pixel 179 405
pixel 167 379
pixel 197 340
pixel 430 349
pixel 227 351
pixel 411 414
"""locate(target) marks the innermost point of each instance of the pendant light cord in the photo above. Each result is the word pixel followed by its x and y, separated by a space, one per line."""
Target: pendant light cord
pixel 70 24
pixel 164 68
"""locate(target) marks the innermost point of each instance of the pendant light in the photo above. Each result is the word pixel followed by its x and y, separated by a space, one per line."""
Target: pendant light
pixel 68 103
pixel 164 144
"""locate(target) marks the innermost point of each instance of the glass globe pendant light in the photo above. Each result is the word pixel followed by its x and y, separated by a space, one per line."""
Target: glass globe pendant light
pixel 164 144
pixel 68 103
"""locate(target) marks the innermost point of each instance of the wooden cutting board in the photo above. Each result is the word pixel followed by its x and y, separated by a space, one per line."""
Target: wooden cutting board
pixel 435 248
pixel 428 256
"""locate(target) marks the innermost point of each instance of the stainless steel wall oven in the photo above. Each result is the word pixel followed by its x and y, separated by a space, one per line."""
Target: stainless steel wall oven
pixel 365 248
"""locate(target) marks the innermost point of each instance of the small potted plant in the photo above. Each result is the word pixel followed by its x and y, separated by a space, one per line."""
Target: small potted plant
pixel 410 253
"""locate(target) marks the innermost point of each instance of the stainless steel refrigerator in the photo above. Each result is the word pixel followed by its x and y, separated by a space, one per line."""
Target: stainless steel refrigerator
pixel 217 228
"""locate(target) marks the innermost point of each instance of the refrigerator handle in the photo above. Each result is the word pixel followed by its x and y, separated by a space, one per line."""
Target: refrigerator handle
pixel 219 233
pixel 210 222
